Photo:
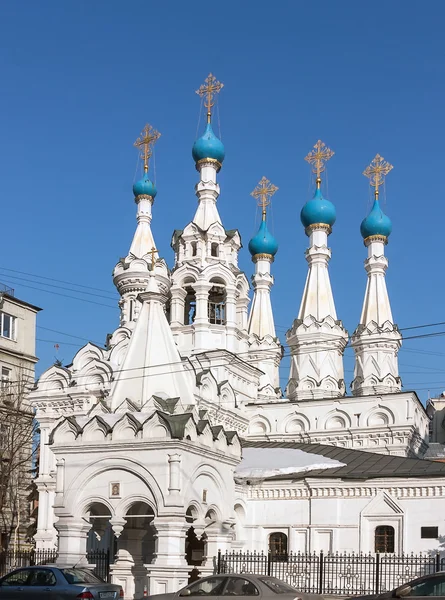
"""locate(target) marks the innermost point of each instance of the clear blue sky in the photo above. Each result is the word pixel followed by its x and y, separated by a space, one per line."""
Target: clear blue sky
pixel 79 79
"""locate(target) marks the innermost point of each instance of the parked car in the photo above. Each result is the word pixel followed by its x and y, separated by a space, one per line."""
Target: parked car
pixel 232 585
pixel 422 587
pixel 53 583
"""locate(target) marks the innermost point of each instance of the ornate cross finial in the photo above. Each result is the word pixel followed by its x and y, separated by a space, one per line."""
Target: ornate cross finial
pixel 210 87
pixel 317 158
pixel 153 251
pixel 263 193
pixel 145 142
pixel 377 171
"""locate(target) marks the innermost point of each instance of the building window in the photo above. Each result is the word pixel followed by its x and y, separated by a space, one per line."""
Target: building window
pixel 217 305
pixel 384 539
pixel 7 326
pixel 214 249
pixel 190 306
pixel 278 545
pixel 5 382
pixel 3 436
pixel 131 310
pixel 429 533
pixel 194 249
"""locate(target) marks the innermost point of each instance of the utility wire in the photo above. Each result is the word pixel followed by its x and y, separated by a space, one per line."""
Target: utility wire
pixel 56 280
pixel 115 297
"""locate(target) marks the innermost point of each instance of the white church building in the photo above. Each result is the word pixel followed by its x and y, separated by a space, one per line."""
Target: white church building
pixel 175 440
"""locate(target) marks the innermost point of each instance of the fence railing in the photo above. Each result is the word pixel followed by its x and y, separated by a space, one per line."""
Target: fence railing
pixel 326 573
pixel 11 560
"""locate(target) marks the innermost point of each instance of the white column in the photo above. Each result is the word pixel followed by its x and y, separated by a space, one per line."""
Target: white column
pixel 177 306
pixel 45 536
pixel 174 463
pixel 73 535
pixel 231 319
pixel 201 324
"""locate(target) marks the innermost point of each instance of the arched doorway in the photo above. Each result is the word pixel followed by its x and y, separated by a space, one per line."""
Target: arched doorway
pixel 194 546
pixel 137 537
pixel 136 545
pixel 100 536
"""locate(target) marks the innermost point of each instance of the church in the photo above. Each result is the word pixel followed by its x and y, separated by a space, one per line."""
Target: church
pixel 174 441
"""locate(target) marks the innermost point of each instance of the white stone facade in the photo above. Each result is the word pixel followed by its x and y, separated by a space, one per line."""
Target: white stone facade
pixel 140 439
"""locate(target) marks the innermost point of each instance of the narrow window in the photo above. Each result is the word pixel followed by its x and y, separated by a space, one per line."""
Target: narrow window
pixel 217 305
pixel 5 379
pixel 131 310
pixel 384 539
pixel 194 248
pixel 190 307
pixel 214 250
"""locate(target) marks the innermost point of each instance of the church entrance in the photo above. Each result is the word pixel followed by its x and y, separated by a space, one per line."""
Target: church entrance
pixel 101 543
pixel 194 546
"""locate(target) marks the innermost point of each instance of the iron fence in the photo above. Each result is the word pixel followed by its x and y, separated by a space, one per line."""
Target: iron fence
pixel 11 560
pixel 334 573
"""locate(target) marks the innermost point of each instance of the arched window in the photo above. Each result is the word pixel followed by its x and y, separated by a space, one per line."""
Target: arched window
pixel 190 306
pixel 278 546
pixel 214 249
pixel 217 305
pixel 384 539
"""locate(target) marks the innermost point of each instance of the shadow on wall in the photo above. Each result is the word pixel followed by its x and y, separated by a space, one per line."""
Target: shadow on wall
pixel 440 550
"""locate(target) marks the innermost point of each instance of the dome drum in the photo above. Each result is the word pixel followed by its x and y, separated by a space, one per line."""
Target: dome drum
pixel 204 162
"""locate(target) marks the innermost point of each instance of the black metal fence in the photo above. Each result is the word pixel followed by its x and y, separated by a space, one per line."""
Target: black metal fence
pixel 10 560
pixel 323 573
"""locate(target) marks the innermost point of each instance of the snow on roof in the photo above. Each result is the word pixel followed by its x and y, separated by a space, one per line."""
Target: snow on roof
pixel 262 463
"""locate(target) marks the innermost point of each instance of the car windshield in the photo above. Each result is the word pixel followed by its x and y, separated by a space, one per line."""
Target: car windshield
pixel 74 576
pixel 277 586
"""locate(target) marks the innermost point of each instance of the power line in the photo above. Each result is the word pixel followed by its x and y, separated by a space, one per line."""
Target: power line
pixel 282 327
pixel 60 287
pixel 64 295
pixel 69 335
pixel 57 280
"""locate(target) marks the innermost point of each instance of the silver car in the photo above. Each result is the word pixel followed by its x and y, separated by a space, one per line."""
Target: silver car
pixel 224 587
pixel 52 583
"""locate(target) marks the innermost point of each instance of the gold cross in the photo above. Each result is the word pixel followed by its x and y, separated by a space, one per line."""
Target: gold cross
pixel 318 157
pixel 263 193
pixel 153 251
pixel 376 171
pixel 145 142
pixel 210 87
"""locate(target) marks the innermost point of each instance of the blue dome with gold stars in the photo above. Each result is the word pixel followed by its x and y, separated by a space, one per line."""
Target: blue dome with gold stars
pixel 208 146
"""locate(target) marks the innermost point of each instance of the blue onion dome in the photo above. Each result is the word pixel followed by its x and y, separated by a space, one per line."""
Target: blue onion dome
pixel 144 187
pixel 318 210
pixel 263 242
pixel 376 223
pixel 208 146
